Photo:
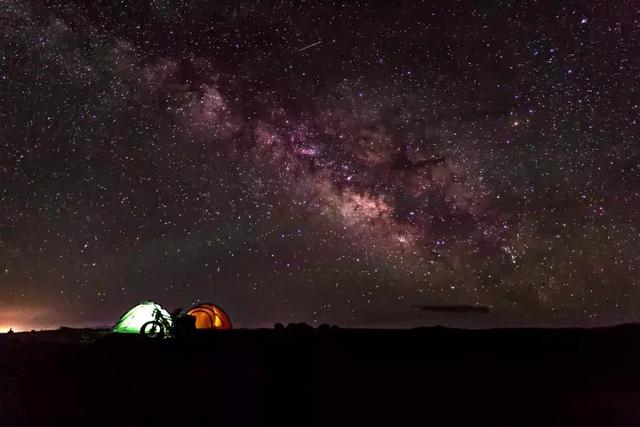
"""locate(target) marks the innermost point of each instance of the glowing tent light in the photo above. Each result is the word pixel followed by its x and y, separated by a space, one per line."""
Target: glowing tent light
pixel 210 316
pixel 133 320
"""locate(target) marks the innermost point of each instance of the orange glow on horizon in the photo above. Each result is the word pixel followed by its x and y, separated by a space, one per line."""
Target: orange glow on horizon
pixel 26 319
pixel 18 327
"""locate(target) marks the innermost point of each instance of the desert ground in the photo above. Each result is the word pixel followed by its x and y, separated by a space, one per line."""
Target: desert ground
pixel 323 376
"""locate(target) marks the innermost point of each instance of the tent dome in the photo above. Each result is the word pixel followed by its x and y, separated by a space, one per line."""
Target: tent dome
pixel 210 316
pixel 133 320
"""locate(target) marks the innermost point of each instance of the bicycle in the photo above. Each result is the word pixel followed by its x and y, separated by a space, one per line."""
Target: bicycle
pixel 159 327
pixel 176 325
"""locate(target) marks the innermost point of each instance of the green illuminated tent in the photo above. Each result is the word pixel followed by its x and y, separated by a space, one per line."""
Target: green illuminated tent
pixel 133 320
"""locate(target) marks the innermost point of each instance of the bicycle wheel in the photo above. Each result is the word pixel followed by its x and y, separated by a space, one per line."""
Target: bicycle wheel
pixel 152 329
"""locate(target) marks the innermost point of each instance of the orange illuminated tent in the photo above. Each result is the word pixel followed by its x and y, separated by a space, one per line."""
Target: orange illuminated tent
pixel 210 316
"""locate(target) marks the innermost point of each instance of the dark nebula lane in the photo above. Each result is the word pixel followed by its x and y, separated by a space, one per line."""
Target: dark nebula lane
pixel 319 161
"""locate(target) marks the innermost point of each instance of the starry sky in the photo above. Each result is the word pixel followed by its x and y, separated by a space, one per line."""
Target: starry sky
pixel 320 161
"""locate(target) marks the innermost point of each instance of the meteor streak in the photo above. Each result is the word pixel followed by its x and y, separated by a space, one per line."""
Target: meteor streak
pixel 310 46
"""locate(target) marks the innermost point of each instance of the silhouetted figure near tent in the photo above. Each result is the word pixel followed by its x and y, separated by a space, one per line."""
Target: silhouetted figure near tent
pixel 184 324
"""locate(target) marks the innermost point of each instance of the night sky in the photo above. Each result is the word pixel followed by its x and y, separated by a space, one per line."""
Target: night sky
pixel 325 162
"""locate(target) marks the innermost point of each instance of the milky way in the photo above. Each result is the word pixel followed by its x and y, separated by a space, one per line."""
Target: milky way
pixel 327 163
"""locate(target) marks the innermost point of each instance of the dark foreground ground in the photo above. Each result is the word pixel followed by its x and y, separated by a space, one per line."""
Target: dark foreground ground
pixel 301 376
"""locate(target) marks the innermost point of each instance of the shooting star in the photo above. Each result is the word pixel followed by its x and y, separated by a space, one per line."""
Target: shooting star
pixel 311 45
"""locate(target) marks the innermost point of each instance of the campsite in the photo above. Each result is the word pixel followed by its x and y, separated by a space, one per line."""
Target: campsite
pixel 150 319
